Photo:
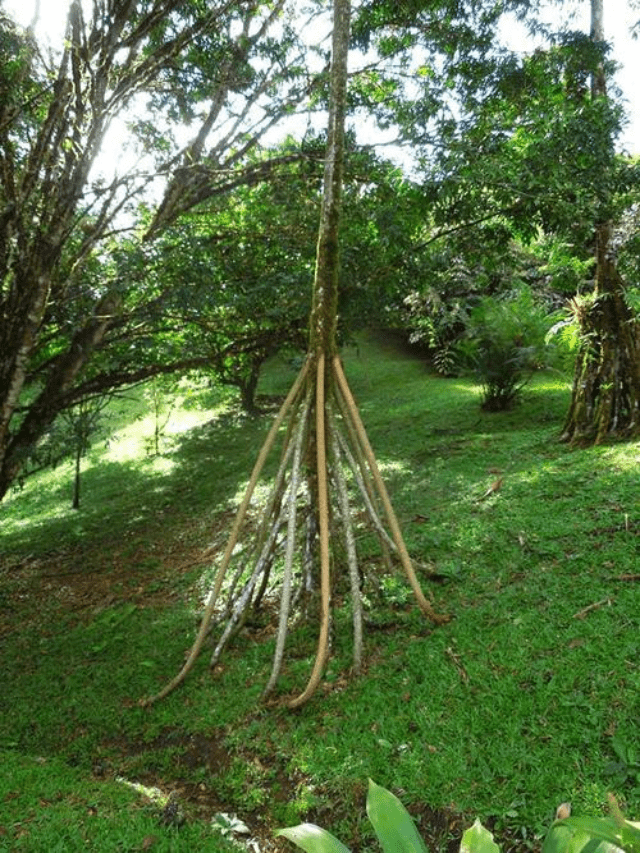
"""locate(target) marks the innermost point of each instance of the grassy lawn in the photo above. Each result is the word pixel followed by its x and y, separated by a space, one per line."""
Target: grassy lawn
pixel 530 696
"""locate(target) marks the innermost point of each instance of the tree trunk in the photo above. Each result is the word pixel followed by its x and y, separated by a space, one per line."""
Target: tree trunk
pixel 55 218
pixel 75 503
pixel 324 313
pixel 324 435
pixel 324 309
pixel 45 408
pixel 606 387
pixel 248 388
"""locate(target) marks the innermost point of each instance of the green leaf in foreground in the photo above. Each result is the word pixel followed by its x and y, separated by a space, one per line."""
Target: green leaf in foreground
pixel 630 834
pixel 393 824
pixel 577 834
pixel 313 839
pixel 477 839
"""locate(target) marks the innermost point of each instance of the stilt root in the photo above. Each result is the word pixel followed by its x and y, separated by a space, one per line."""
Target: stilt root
pixel 324 439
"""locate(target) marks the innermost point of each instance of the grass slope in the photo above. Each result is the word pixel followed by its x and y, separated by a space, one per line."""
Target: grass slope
pixel 529 697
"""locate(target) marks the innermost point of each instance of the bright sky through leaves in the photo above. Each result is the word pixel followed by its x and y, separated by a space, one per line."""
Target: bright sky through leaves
pixel 619 19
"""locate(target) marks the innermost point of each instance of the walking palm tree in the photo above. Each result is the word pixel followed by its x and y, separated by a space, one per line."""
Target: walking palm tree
pixel 323 441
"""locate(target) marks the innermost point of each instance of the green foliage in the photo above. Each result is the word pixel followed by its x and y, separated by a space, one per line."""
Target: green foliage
pixel 393 826
pixel 313 839
pixel 626 766
pixel 438 320
pixel 22 99
pixel 71 435
pixel 593 835
pixel 503 344
pixel 562 268
pixel 83 308
pixel 546 688
pixel 229 284
pixel 535 147
pixel 565 335
pixel 444 45
pixel 397 833
pixel 392 823
pixel 627 237
pixel 478 839
pixel 450 274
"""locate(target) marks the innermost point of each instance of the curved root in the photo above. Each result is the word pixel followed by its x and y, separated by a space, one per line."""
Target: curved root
pixel 312 425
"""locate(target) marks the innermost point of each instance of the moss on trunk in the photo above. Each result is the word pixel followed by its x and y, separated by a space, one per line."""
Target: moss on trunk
pixel 606 387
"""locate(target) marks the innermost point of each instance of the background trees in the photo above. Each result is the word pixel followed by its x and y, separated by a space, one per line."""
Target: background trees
pixel 218 70
pixel 236 271
pixel 606 387
pixel 505 152
pixel 533 156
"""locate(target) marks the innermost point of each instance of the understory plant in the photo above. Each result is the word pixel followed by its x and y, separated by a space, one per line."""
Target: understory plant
pixel 504 343
pixel 397 833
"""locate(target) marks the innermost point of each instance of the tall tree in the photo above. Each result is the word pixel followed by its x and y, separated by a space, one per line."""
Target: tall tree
pixel 229 70
pixel 533 147
pixel 606 387
pixel 324 434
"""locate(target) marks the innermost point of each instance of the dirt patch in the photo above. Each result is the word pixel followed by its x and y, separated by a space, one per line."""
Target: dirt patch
pixel 201 753
pixel 80 582
pixel 440 828
pixel 205 756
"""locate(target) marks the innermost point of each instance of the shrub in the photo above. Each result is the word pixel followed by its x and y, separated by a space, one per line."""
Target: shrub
pixel 504 343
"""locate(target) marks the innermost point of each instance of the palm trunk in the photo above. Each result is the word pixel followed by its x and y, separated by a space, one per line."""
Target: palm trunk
pixel 324 432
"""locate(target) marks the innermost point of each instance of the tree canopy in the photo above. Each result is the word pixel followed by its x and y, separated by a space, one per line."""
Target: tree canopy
pixel 227 71
pixel 104 275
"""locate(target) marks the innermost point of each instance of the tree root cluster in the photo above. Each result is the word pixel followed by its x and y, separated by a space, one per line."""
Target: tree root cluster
pixel 606 388
pixel 301 530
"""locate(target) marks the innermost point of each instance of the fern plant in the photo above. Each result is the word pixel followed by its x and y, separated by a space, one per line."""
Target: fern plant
pixel 505 342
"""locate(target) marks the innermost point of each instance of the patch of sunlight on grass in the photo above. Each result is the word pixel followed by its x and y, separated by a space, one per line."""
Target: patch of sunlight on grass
pixel 528 689
pixel 464 386
pixel 190 419
pixel 162 465
pixel 260 494
pixel 153 794
pixel 622 458
pixel 134 440
pixel 393 467
pixel 258 499
pixel 549 381
pixel 38 488
pixel 201 591
pixel 128 442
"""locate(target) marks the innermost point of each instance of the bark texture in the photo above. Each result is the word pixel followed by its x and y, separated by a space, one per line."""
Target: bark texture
pixel 606 387
pixel 605 400
pixel 56 217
